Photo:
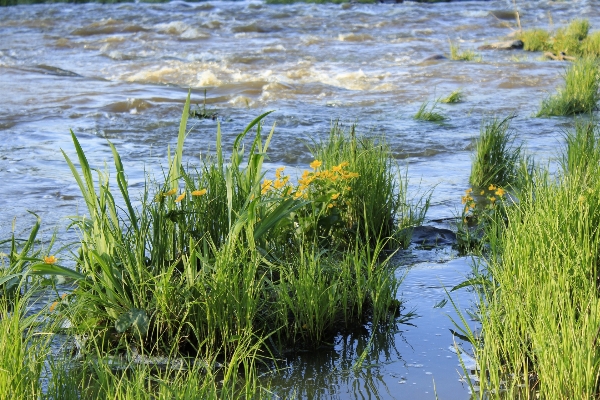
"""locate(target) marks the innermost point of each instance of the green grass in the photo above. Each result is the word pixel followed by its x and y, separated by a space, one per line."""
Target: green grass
pixel 539 308
pixel 574 40
pixel 222 265
pixel 579 94
pixel 424 114
pixel 458 55
pixel 456 96
pixel 496 157
pixel 226 255
pixel 590 46
pixel 535 40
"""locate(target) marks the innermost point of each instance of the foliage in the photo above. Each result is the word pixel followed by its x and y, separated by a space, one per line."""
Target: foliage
pixel 457 55
pixel 225 255
pixel 535 40
pixel 456 96
pixel 574 40
pixel 432 115
pixel 539 292
pixel 580 93
pixel 496 157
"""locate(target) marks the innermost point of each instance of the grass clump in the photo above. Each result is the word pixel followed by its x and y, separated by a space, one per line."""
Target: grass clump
pixel 431 114
pixel 227 257
pixel 580 93
pixel 458 55
pixel 574 40
pixel 496 158
pixel 540 317
pixel 456 96
pixel 535 40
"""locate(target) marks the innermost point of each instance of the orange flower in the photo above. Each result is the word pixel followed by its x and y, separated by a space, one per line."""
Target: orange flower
pixel 199 192
pixel 180 197
pixel 50 259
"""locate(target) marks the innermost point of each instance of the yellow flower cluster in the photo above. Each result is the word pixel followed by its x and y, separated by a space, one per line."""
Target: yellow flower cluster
pixel 179 198
pixel 336 174
pixel 280 181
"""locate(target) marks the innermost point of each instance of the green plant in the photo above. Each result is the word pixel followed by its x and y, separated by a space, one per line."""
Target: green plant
pixel 580 93
pixel 496 157
pixel 424 114
pixel 590 46
pixel 457 55
pixel 198 266
pixel 455 97
pixel 203 113
pixel 376 199
pixel 539 296
pixel 535 40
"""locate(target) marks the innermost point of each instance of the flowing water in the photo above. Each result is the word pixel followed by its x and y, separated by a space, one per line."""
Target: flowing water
pixel 121 72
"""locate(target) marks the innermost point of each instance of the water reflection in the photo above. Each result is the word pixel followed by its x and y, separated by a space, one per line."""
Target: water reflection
pixel 351 368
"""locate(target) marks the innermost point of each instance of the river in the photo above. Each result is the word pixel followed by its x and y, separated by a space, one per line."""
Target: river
pixel 121 72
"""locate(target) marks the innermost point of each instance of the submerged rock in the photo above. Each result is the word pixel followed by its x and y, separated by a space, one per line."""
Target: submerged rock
pixel 429 237
pixel 507 45
pixel 432 59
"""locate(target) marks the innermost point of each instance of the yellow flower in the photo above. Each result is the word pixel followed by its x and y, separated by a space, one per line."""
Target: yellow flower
pixel 493 199
pixel 199 192
pixel 278 172
pixel 468 191
pixel 266 186
pixel 50 259
pixel 500 192
pixel 348 188
pixel 329 205
pixel 581 199
pixel 315 164
pixel 492 187
pixel 53 306
pixel 278 184
pixel 482 192
pixel 170 192
pixel 335 196
pixel 180 197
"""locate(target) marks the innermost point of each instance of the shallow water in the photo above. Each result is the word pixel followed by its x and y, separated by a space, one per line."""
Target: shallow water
pixel 121 72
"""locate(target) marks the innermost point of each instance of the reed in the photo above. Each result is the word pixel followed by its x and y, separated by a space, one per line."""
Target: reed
pixel 539 304
pixel 579 94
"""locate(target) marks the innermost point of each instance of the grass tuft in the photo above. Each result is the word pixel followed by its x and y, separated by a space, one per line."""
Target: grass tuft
pixel 497 158
pixel 458 55
pixel 456 96
pixel 431 114
pixel 580 93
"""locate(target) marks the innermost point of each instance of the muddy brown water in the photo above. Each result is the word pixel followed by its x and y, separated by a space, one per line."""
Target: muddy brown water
pixel 121 72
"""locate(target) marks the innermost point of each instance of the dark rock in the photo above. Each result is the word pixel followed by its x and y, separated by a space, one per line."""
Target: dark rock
pixel 508 45
pixel 504 14
pixel 432 59
pixel 428 236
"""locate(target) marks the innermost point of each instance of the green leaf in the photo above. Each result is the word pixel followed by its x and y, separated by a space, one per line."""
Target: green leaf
pixel 134 318
pixel 48 269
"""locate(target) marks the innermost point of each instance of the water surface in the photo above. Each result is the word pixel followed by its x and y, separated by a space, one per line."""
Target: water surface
pixel 121 72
